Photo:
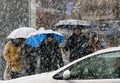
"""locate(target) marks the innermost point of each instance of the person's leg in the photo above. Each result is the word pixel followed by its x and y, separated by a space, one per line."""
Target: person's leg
pixel 7 72
pixel 15 75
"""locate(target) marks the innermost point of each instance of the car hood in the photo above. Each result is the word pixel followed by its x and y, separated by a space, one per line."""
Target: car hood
pixel 44 77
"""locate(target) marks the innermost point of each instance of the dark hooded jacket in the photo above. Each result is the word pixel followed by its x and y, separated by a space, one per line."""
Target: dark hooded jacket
pixel 50 56
pixel 28 57
pixel 76 45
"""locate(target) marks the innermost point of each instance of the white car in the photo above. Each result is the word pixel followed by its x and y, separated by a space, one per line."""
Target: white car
pixel 100 67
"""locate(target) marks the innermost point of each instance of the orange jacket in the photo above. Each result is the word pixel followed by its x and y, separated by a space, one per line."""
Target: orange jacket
pixel 11 57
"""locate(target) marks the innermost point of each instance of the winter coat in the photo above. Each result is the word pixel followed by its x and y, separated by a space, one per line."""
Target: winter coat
pixel 23 56
pixel 75 44
pixel 11 57
pixel 32 54
pixel 27 56
pixel 96 46
pixel 50 56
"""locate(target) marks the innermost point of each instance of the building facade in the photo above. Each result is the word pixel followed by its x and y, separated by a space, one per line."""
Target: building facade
pixel 45 13
pixel 96 9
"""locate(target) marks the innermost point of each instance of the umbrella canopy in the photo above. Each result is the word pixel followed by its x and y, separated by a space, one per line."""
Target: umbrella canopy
pixel 22 32
pixel 35 38
pixel 72 22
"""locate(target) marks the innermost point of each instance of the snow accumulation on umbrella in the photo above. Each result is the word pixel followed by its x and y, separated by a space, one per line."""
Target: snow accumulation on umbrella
pixel 73 22
pixel 22 32
pixel 35 38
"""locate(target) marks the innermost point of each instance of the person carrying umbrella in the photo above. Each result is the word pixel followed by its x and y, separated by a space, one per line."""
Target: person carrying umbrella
pixel 75 43
pixel 27 56
pixel 50 54
pixel 15 54
pixel 11 58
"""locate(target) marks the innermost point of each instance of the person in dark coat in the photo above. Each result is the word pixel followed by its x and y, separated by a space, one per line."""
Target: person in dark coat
pixel 24 53
pixel 75 44
pixel 28 58
pixel 50 55
pixel 32 55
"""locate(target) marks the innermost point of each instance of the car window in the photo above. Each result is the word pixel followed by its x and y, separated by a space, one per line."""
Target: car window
pixel 102 66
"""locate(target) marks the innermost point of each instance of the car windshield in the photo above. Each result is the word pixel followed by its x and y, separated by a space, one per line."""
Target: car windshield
pixel 112 55
pixel 102 66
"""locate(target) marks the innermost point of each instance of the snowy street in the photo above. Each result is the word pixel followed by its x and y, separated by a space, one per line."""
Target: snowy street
pixel 75 40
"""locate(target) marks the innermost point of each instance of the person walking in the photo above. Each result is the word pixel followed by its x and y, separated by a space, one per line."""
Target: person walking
pixel 25 53
pixel 11 58
pixel 16 56
pixel 50 54
pixel 95 43
pixel 75 44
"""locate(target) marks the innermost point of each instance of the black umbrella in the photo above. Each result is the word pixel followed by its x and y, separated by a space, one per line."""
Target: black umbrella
pixel 70 23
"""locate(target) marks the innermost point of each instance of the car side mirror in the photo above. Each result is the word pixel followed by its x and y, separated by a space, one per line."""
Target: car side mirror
pixel 66 74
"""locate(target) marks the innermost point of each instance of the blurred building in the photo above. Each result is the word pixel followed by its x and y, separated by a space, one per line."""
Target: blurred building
pixel 96 9
pixel 47 17
pixel 45 13
pixel 102 13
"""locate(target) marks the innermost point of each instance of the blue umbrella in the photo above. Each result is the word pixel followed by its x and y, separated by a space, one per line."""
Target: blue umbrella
pixel 34 39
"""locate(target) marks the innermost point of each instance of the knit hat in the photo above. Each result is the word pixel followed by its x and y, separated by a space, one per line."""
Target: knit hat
pixel 77 27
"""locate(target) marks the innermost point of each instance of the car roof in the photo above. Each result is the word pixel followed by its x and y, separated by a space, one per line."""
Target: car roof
pixel 108 50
